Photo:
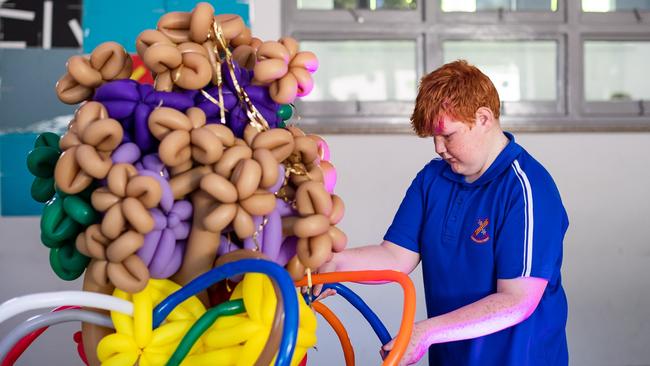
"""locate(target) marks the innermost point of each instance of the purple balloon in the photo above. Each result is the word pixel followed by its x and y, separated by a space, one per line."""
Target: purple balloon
pixel 287 250
pixel 126 153
pixel 236 116
pixel 153 163
pixel 163 247
pixel 249 243
pixel 226 246
pixel 284 208
pixel 272 235
pixel 130 103
pixel 278 184
pixel 176 260
pixel 163 254
pixel 167 198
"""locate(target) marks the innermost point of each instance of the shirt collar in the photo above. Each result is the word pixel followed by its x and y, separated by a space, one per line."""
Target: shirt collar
pixel 498 166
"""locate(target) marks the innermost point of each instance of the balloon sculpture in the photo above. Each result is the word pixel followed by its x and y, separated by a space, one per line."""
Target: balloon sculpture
pixel 159 192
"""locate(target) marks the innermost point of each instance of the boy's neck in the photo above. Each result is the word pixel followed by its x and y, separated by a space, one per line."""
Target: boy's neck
pixel 497 143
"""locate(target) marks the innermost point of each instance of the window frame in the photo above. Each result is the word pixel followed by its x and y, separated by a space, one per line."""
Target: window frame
pixel 630 108
pixel 569 26
pixel 525 108
pixel 371 112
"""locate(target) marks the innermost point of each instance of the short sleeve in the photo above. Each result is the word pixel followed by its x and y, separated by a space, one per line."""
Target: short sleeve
pixel 529 241
pixel 407 223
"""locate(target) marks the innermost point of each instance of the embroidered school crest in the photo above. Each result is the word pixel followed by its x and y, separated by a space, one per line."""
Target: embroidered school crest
pixel 480 235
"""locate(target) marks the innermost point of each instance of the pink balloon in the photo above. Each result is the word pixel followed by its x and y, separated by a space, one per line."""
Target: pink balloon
pixel 323 147
pixel 329 175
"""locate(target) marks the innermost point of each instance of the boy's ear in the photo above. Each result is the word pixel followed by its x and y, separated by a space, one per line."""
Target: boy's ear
pixel 485 117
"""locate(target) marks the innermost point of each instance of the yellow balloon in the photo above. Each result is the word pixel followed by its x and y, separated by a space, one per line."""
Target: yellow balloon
pixel 235 340
pixel 252 291
pixel 232 336
pixel 135 341
pixel 250 331
pixel 221 357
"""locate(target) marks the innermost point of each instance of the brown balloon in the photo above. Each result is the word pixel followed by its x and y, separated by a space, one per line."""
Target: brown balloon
pixel 91 334
pixel 175 26
pixel 108 61
pixel 238 189
pixel 311 225
pixel 314 251
pixel 307 148
pixel 200 22
pixel 185 137
pixel 187 182
pixel 339 239
pixel 295 268
pixel 312 198
pixel 269 165
pixel 243 39
pixel 148 38
pixel 247 177
pixel 87 147
pixel 195 71
pixel 113 262
pixel 162 56
pixel 232 25
pixel 125 201
pixel 231 157
pixel 338 209
pixel 277 140
pixel 287 71
pixel 202 245
pixel 290 44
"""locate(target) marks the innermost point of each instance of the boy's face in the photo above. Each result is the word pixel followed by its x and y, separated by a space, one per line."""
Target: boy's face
pixel 462 146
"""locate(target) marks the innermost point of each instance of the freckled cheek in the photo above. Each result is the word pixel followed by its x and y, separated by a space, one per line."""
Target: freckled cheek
pixel 458 151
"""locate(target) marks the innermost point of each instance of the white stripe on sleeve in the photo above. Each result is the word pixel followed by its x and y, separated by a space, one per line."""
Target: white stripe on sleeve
pixel 528 218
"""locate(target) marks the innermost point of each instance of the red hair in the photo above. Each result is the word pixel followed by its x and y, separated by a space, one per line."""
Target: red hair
pixel 456 90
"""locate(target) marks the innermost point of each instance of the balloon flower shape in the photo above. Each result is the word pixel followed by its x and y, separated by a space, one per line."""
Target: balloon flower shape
pixel 87 148
pixel 135 341
pixel 131 103
pixel 246 334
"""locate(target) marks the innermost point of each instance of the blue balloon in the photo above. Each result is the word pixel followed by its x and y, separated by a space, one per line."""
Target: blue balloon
pixel 273 270
pixel 364 309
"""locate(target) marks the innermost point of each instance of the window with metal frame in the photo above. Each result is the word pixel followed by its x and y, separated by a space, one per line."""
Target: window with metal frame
pixel 572 65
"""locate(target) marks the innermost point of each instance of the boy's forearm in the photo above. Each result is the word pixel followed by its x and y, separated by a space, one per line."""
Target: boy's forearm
pixel 371 257
pixel 486 316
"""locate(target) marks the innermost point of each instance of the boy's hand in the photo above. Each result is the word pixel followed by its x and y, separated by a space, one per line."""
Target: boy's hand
pixel 416 348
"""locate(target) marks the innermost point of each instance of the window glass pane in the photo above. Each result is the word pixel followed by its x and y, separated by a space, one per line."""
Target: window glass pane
pixel 363 70
pixel 520 70
pixel 357 4
pixel 615 70
pixel 509 5
pixel 602 6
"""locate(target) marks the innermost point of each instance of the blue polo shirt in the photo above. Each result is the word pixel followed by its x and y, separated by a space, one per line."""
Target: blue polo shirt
pixel 509 223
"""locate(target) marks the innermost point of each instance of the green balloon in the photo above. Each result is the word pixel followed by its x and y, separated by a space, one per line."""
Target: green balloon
pixel 56 226
pixel 42 160
pixel 42 189
pixel 285 111
pixel 80 210
pixel 47 139
pixel 67 262
pixel 282 124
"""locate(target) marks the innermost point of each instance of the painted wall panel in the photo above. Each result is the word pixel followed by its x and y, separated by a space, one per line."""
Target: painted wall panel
pixel 122 20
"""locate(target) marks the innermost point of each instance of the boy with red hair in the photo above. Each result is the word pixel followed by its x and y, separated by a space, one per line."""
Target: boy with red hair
pixel 487 222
